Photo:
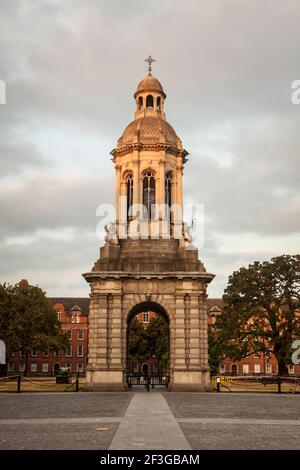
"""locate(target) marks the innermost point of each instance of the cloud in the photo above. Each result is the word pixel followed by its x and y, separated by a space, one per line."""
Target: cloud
pixel 71 69
pixel 42 202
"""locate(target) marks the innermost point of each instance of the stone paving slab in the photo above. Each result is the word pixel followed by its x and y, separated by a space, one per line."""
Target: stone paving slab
pixel 243 406
pixel 149 424
pixel 242 436
pixel 106 419
pixel 97 421
pixel 57 436
pixel 245 422
pixel 62 405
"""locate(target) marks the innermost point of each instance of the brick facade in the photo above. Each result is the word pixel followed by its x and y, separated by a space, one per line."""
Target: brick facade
pixel 73 317
pixel 264 363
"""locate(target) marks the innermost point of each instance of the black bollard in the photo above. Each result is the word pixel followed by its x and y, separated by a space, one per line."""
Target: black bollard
pixel 19 384
pixel 279 385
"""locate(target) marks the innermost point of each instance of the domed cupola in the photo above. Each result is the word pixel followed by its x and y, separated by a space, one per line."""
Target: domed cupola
pixel 149 126
pixel 149 84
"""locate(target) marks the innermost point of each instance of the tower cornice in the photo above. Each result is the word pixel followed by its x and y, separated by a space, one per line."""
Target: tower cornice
pixel 151 147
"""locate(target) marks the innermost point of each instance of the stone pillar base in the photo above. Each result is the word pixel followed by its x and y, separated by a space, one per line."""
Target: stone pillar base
pixel 104 381
pixel 190 381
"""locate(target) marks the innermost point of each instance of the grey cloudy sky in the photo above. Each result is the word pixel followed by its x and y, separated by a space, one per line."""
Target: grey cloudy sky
pixel 71 68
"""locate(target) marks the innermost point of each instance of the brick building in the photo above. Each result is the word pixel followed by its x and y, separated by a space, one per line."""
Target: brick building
pixel 73 316
pixel 264 363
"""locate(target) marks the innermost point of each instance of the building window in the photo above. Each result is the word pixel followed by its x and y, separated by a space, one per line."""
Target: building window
pixel 34 352
pixel 58 315
pixel 140 103
pixel 22 366
pixel 149 101
pixel 68 366
pixel 268 369
pixel 245 369
pixel 256 368
pixel 291 368
pixel 80 334
pixel 69 334
pixel 80 367
pixel 256 354
pixel 268 353
pixel 10 367
pixel 45 367
pixel 158 103
pixel 129 196
pixel 22 353
pixel 222 368
pixel 77 318
pixel 57 353
pixel 69 351
pixel 33 367
pixel 149 195
pixel 145 317
pixel 73 318
pixel 46 353
pixel 80 351
pixel 168 187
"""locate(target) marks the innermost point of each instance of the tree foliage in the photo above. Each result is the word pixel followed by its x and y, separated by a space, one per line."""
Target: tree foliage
pixel 144 344
pixel 261 311
pixel 28 320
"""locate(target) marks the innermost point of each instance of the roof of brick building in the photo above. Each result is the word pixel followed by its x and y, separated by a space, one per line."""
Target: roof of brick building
pixel 70 302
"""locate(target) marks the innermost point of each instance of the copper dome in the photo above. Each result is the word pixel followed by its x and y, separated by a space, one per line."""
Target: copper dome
pixel 150 83
pixel 149 130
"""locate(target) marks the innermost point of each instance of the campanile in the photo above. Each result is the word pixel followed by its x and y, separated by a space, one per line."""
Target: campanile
pixel 148 262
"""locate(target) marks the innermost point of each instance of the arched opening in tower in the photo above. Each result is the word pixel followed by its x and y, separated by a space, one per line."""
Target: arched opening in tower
pixel 148 342
pixel 149 101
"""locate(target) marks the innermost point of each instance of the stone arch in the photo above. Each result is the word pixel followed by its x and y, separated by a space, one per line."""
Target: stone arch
pixel 147 305
pixel 125 174
pixel 149 101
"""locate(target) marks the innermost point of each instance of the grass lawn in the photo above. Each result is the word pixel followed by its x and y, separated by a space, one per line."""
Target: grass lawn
pixel 39 384
pixel 243 386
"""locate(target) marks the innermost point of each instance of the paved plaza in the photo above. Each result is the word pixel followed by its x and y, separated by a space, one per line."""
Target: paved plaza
pixel 154 420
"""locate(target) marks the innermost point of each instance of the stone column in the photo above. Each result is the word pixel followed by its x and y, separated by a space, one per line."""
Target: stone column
pixel 195 331
pixel 116 333
pixel 136 180
pixel 179 341
pixel 160 199
pixel 187 327
pixel 105 370
pixel 117 195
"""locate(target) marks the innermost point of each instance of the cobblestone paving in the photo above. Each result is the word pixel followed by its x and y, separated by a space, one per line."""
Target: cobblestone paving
pixel 149 424
pixel 62 405
pixel 149 421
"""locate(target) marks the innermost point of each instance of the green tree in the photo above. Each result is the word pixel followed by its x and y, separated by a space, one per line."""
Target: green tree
pixel 158 339
pixel 137 341
pixel 215 350
pixel 261 310
pixel 28 321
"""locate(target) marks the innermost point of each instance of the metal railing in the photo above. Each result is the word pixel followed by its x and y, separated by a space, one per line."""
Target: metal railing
pixel 148 381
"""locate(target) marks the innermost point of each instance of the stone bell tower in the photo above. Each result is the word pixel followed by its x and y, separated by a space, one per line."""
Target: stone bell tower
pixel 148 261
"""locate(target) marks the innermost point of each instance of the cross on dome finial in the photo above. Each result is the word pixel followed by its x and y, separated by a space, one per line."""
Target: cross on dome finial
pixel 150 60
